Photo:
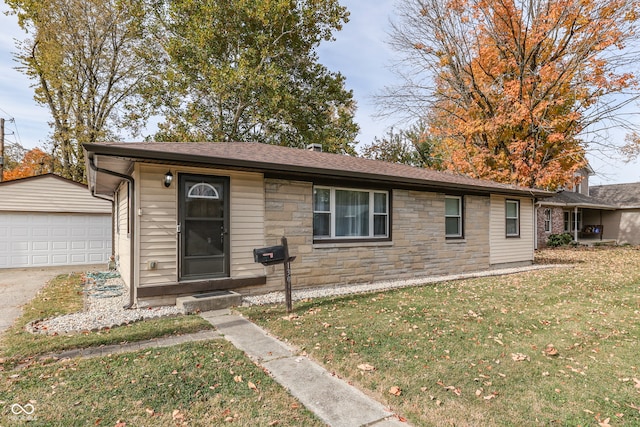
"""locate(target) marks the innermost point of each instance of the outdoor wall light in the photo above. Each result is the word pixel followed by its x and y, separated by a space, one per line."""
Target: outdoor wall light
pixel 168 178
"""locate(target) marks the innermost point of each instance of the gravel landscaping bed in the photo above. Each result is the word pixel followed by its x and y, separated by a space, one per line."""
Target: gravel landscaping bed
pixel 326 291
pixel 106 297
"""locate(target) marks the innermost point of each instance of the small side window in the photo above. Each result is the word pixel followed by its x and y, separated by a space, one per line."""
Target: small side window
pixel 512 209
pixel 547 220
pixel 453 216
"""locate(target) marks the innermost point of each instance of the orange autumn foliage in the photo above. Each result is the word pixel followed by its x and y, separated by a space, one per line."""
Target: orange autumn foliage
pixel 516 84
pixel 35 162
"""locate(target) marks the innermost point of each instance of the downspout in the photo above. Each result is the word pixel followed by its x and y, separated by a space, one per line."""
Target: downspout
pixel 131 194
pixel 536 206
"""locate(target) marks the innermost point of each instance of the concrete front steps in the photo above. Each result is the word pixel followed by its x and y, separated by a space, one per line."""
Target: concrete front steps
pixel 216 300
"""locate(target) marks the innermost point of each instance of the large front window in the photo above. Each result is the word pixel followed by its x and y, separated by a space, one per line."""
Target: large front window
pixel 342 213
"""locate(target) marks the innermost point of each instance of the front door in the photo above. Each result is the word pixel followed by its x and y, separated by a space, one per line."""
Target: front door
pixel 203 215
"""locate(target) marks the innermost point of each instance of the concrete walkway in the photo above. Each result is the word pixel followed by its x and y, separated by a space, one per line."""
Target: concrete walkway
pixel 106 350
pixel 333 400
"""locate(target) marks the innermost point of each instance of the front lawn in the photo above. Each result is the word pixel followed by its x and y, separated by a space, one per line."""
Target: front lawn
pixel 196 384
pixel 548 347
pixel 64 295
pixel 205 384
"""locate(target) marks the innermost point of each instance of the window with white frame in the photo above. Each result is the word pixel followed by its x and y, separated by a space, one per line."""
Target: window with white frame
pixel 572 221
pixel 547 220
pixel 344 213
pixel 453 216
pixel 512 217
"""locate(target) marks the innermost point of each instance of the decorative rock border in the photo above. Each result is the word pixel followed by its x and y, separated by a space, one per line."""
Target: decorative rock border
pixel 105 299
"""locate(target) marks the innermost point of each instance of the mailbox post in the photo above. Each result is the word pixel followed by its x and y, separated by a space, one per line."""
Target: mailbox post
pixel 278 255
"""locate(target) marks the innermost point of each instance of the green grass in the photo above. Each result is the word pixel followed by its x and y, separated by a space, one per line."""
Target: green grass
pixel 197 384
pixel 63 295
pixel 450 347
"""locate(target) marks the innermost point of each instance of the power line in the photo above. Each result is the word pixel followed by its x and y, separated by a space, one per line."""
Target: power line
pixel 12 119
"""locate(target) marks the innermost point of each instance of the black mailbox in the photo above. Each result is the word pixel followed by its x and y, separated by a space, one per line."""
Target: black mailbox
pixel 270 255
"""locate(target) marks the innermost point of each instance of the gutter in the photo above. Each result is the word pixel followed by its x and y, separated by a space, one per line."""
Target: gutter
pixel 131 192
pixel 310 172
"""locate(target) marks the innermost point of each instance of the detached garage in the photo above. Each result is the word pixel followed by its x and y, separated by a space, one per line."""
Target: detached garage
pixel 48 220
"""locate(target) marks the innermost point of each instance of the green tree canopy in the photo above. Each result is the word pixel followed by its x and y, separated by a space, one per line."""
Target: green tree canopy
pixel 412 146
pixel 246 70
pixel 83 58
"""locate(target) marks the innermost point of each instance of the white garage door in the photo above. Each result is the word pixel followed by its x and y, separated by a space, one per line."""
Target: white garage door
pixel 33 240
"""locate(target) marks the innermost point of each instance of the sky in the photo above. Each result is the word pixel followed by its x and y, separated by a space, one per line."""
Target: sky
pixel 360 52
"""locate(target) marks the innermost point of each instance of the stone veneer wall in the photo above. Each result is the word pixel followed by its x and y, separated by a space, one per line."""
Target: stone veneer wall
pixel 557 224
pixel 418 247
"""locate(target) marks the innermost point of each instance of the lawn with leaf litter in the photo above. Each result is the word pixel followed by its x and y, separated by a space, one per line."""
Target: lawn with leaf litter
pixel 64 295
pixel 554 346
pixel 196 384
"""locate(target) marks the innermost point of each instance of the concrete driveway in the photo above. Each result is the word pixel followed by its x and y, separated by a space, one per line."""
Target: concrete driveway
pixel 20 285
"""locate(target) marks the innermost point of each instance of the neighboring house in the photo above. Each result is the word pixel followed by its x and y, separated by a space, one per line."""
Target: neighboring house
pixel 188 216
pixel 47 220
pixel 605 213
pixel 625 220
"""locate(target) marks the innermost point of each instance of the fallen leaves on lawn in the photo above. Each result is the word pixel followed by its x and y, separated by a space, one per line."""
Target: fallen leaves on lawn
pixel 550 350
pixel 253 387
pixel 366 367
pixel 177 415
pixel 456 390
pixel 493 395
pixel 395 390
pixel 518 357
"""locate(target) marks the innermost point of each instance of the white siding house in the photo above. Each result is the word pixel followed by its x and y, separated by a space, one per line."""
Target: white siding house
pixel 47 220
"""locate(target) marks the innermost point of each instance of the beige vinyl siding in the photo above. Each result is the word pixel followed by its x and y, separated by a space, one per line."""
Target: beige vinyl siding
pixel 122 239
pixel 157 217
pixel 629 228
pixel 503 249
pixel 247 223
pixel 50 194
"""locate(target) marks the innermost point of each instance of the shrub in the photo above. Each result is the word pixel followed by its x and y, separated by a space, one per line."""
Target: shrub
pixel 556 240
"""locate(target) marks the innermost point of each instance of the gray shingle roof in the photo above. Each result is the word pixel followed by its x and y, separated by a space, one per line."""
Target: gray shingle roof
pixel 572 199
pixel 275 159
pixel 622 195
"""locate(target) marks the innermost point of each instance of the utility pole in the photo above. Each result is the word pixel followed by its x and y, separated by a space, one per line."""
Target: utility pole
pixel 1 147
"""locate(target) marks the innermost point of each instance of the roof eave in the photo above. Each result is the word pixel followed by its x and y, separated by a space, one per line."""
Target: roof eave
pixel 171 157
pixel 580 205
